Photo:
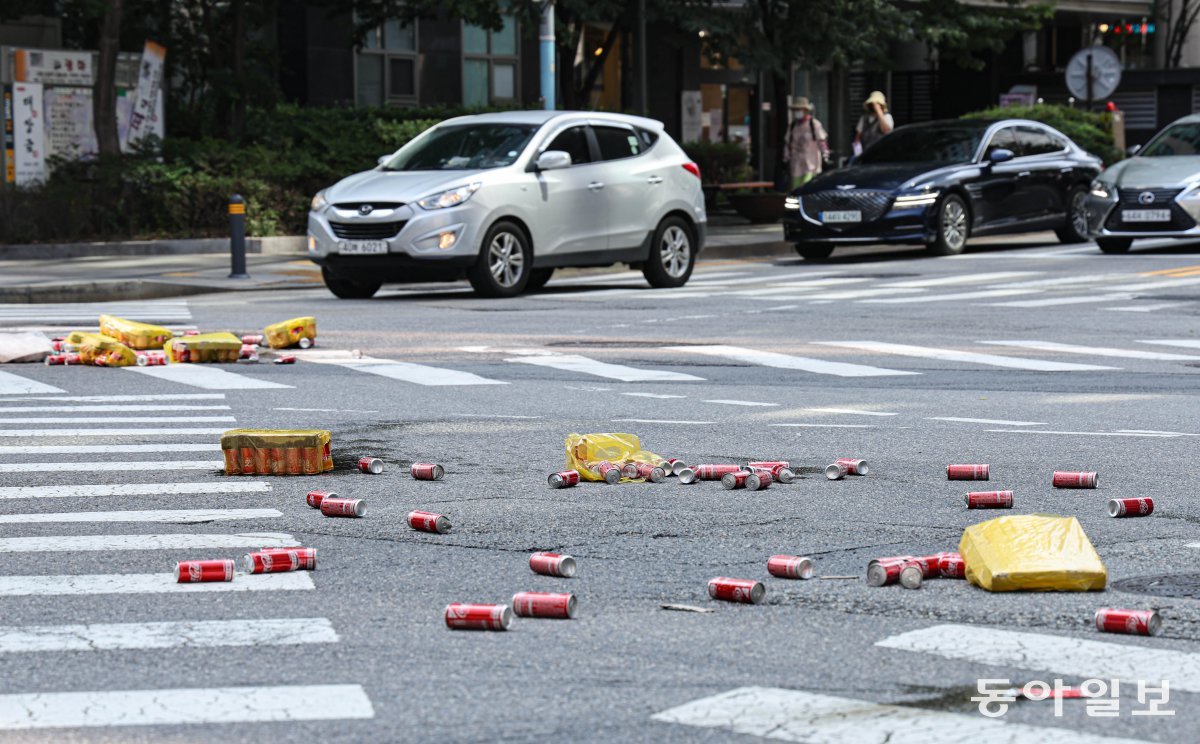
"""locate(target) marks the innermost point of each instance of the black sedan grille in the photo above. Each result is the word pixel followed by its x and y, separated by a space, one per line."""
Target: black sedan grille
pixel 872 204
pixel 1163 199
pixel 367 230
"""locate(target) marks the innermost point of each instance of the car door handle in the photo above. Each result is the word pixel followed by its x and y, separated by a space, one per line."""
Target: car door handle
pixel 595 185
pixel 1024 174
pixel 654 180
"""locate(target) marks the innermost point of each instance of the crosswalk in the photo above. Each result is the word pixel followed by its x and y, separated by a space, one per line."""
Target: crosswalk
pixel 85 314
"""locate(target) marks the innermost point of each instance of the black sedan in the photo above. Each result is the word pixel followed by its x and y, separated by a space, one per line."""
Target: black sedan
pixel 941 182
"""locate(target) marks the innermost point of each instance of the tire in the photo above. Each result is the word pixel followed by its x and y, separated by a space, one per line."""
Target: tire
pixel 349 289
pixel 672 254
pixel 953 227
pixel 538 278
pixel 505 262
pixel 1075 230
pixel 1114 245
pixel 814 251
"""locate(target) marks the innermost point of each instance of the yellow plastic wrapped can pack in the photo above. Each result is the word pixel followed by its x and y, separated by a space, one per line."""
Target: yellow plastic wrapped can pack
pixel 103 351
pixel 135 335
pixel 206 347
pixel 276 451
pixel 1031 552
pixel 584 450
pixel 288 333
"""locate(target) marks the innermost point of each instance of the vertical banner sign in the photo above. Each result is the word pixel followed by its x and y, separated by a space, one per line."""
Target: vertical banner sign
pixel 10 170
pixel 30 132
pixel 145 102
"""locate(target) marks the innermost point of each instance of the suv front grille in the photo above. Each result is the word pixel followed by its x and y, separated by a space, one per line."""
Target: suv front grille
pixel 366 230
pixel 872 204
pixel 1163 199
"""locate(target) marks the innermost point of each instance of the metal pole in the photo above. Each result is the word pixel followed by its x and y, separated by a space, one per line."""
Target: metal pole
pixel 546 46
pixel 1089 83
pixel 639 62
pixel 237 237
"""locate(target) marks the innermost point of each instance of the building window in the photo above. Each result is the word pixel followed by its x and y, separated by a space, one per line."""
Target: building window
pixel 385 66
pixel 490 63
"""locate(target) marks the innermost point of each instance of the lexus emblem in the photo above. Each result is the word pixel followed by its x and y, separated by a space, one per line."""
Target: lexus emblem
pixel 1146 197
pixel 366 209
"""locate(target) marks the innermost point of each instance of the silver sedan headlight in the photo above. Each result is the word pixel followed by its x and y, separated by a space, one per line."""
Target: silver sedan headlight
pixel 318 201
pixel 451 198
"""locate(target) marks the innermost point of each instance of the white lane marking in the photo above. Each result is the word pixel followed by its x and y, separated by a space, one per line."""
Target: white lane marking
pixel 119 398
pixel 1060 281
pixel 584 365
pixel 997 422
pixel 792 288
pixel 164 516
pixel 1164 284
pixel 1095 350
pixel 1182 343
pixel 977 295
pixel 185 634
pixel 620 276
pixel 1080 300
pixel 855 294
pixel 23 433
pixel 653 395
pixel 750 403
pixel 88 490
pixel 84 467
pixel 786 361
pixel 942 281
pixel 1077 657
pixel 828 426
pixel 206 376
pixel 792 715
pixel 179 541
pixel 1083 433
pixel 420 374
pixel 108 408
pixel 852 411
pixel 1155 431
pixel 102 449
pixel 11 384
pixel 491 416
pixel 967 357
pixel 118 419
pixel 162 583
pixel 661 421
pixel 184 706
pixel 1146 308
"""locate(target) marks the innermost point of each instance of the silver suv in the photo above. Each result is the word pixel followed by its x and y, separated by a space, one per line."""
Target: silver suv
pixel 504 199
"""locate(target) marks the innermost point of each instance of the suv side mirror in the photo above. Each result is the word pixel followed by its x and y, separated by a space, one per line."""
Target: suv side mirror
pixel 1132 150
pixel 1000 155
pixel 553 160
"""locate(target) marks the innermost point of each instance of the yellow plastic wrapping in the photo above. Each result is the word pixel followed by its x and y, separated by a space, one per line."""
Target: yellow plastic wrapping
pixel 276 451
pixel 289 332
pixel 103 351
pixel 77 337
pixel 1031 552
pixel 615 448
pixel 206 347
pixel 133 334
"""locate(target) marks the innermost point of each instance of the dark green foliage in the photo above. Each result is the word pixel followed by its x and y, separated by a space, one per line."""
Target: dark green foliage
pixel 720 162
pixel 1091 131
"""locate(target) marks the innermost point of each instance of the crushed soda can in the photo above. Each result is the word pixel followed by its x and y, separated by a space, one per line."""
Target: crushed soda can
pixel 790 566
pixel 952 566
pixel 286 359
pixel 854 466
pixel 552 564
pixel 687 476
pixel 426 471
pixel 714 472
pixel 967 472
pixel 332 507
pixel 460 616
pixel 1131 622
pixel 677 465
pixel 836 471
pixel 608 472
pixel 747 591
pixel 544 604
pixel 248 352
pixel 563 479
pixel 428 522
pixel 989 499
pixel 735 479
pixel 195 572
pixel 1140 507
pixel 370 465
pixel 314 498
pixel 912 574
pixel 1069 479
pixel 643 470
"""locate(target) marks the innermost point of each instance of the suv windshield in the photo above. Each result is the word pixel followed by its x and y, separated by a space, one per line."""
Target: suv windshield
pixel 463 147
pixel 1181 139
pixel 935 144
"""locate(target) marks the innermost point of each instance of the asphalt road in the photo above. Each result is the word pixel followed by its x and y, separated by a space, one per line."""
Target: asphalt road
pixel 879 354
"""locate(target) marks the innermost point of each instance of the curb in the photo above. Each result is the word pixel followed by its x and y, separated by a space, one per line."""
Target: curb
pixel 280 245
pixel 98 291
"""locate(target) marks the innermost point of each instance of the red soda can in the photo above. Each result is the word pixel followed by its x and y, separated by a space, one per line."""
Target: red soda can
pixel 912 574
pixel 563 479
pixel 1068 479
pixel 257 563
pixel 192 332
pixel 305 342
pixel 759 480
pixel 715 472
pixel 151 358
pixel 686 476
pixel 747 591
pixel 247 351
pixel 461 616
pixel 768 464
pixel 929 565
pixel 790 566
pixel 194 572
pixel 1130 507
pixel 544 604
pixel 55 359
pixel 306 558
pixel 332 507
pixel 286 359
pixel 989 499
pixel 882 571
pixel 370 465
pixel 315 498
pixel 676 465
pixel 552 564
pixel 736 479
pixel 783 474
pixel 854 466
pixel 1133 622
pixel 644 470
pixel 606 470
pixel 967 472
pixel 428 522
pixel 426 471
pixel 253 339
pixel 952 566
pixel 836 471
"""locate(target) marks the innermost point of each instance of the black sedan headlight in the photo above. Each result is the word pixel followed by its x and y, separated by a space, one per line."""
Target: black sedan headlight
pixel 915 200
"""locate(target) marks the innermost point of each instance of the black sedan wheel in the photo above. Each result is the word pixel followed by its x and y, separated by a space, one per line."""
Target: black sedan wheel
pixel 1076 228
pixel 1114 245
pixel 814 251
pixel 953 227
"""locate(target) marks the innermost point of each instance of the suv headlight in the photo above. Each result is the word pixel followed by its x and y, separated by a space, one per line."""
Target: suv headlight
pixel 451 198
pixel 1101 190
pixel 916 200
pixel 318 201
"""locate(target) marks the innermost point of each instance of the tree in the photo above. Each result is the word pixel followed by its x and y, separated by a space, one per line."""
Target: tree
pixel 104 94
pixel 1182 16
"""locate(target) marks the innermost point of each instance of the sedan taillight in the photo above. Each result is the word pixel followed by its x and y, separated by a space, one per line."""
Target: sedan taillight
pixel 692 168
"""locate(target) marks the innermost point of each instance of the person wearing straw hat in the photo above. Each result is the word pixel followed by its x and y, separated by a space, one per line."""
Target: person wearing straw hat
pixel 873 124
pixel 806 144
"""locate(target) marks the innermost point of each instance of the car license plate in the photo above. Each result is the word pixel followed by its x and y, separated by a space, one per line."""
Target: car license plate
pixel 843 216
pixel 362 247
pixel 1145 215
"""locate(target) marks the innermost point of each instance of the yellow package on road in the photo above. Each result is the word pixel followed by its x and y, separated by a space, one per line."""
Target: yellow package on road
pixel 290 332
pixel 135 335
pixel 1031 552
pixel 276 451
pixel 206 347
pixel 586 449
pixel 103 351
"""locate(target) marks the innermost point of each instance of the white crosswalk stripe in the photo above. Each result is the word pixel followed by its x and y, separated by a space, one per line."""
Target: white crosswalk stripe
pixel 163 583
pixel 1186 343
pixel 87 467
pixel 1095 350
pixel 207 377
pixel 967 357
pixel 90 490
pixel 115 398
pixel 180 634
pixel 584 365
pixel 102 449
pixel 108 432
pixel 974 295
pixel 164 516
pixel 418 374
pixel 115 419
pixel 787 361
pixel 114 408
pixel 181 541
pixel 11 384
pixel 943 281
pixel 1054 301
pixel 65 314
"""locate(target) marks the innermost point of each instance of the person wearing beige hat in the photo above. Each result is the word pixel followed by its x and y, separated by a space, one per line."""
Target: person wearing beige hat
pixel 873 124
pixel 806 144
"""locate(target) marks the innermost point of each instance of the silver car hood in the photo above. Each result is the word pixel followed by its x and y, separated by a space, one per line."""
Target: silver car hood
pixel 396 186
pixel 1175 170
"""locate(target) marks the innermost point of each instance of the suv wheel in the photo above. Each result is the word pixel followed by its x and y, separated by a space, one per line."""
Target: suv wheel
pixel 672 254
pixel 1076 228
pixel 1114 245
pixel 348 289
pixel 953 227
pixel 814 251
pixel 503 267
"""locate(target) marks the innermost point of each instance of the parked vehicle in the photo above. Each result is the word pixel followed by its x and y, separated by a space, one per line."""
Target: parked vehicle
pixel 1154 194
pixel 504 199
pixel 942 182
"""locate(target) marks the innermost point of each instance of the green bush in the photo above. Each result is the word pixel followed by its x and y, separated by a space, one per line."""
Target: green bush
pixel 1091 131
pixel 720 162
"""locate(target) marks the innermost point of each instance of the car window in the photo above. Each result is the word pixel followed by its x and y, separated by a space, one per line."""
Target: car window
pixel 617 142
pixel 465 147
pixel 648 138
pixel 1037 141
pixel 574 142
pixel 1005 139
pixel 920 143
pixel 1180 139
